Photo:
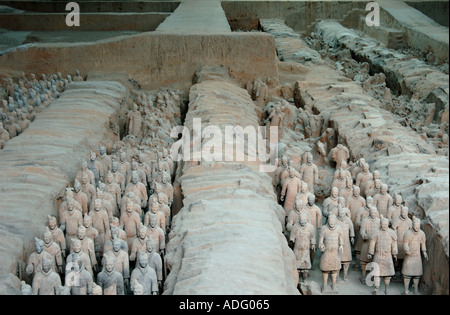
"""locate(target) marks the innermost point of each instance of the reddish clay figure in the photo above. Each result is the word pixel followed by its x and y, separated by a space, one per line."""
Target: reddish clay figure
pixel 309 173
pixel 414 243
pixel 331 243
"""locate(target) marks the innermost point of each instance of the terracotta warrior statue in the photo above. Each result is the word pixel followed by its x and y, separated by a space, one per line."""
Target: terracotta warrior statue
pixel 79 280
pixel 54 250
pixel 131 197
pixel 383 200
pixel 275 120
pixel 141 174
pixel 376 189
pixel 88 189
pixel 157 234
pixel 138 188
pixel 309 173
pixel 4 135
pixel 130 222
pixel 114 189
pixel 395 209
pixel 87 246
pixel 330 202
pixel 134 122
pixel 331 243
pixel 338 154
pixel 363 178
pixel 161 222
pixel 159 173
pixel 369 227
pixel 34 264
pixel 123 166
pixel 354 203
pixel 383 249
pixel 105 161
pixel 414 243
pixel 315 215
pixel 77 76
pixel 107 203
pixel 155 260
pixel 291 187
pixel 357 167
pixel 314 212
pixel 280 170
pixel 341 203
pixel 163 207
pixel 401 225
pixel 68 194
pixel 342 169
pixel 100 221
pixel 166 157
pixel 340 181
pixel 144 166
pixel 47 281
pixel 70 220
pixel 96 167
pixel 303 193
pixel 139 243
pixel 167 188
pixel 360 216
pixel 144 275
pixel 92 233
pixel 121 233
pixel 85 170
pixel 347 191
pixel 285 174
pixel 110 280
pixel 294 215
pixel 121 260
pixel 370 187
pixel 119 178
pixel 304 239
pixel 348 234
pixel 80 196
pixel 116 232
pixel 76 252
pixel 57 234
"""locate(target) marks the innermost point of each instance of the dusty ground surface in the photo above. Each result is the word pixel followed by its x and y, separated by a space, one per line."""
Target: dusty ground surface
pixel 353 286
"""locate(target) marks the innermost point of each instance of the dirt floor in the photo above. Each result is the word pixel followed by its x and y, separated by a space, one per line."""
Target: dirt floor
pixel 353 286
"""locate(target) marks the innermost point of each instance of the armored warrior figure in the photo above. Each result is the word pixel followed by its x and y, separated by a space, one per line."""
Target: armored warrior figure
pixel 34 264
pixel 304 239
pixel 121 260
pixel 382 248
pixel 330 202
pixel 110 280
pixel 383 201
pixel 348 234
pixel 309 173
pixel 331 243
pixel 291 187
pixel 414 243
pixel 47 281
pixel 369 227
pixel 144 275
